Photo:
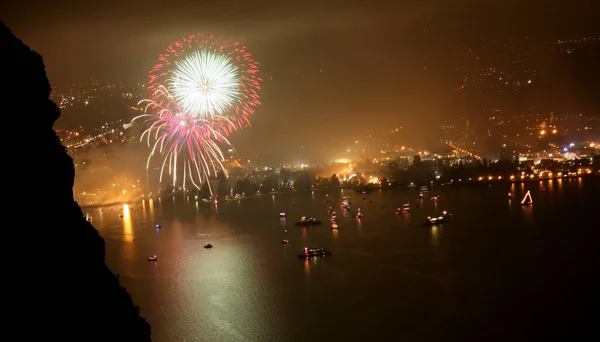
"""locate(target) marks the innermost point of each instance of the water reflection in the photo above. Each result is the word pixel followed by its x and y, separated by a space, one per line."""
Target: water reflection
pixel 335 233
pixel 151 208
pixel 246 281
pixel 435 236
pixel 127 224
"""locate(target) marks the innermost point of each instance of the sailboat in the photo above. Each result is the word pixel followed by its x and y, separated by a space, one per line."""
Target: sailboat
pixel 527 200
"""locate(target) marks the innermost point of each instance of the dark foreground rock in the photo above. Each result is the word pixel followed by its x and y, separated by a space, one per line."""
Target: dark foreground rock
pixel 57 285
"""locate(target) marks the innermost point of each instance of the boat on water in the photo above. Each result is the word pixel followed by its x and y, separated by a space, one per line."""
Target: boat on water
pixel 153 258
pixel 424 189
pixel 311 221
pixel 432 221
pixel 314 252
pixel 282 215
pixel 404 210
pixel 334 226
pixel 527 200
pixel 208 245
pixel 359 215
pixel 285 242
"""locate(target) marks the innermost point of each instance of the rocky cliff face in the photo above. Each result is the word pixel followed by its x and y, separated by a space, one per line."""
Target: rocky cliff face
pixel 60 285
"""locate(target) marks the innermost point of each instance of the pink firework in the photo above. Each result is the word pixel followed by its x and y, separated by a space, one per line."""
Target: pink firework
pixel 190 146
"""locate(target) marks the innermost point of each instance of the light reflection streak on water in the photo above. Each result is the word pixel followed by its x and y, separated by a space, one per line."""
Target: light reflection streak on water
pixel 127 224
pixel 151 208
pixel 306 267
pixel 435 235
pixel 335 233
pixel 512 192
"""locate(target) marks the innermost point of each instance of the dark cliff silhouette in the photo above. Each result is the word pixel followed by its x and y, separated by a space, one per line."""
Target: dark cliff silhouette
pixel 60 285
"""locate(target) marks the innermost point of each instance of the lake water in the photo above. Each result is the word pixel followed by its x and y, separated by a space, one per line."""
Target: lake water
pixel 498 271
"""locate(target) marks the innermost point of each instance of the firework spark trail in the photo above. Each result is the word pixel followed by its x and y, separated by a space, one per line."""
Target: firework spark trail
pixel 184 141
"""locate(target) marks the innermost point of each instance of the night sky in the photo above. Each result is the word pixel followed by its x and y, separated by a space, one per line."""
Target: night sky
pixel 332 70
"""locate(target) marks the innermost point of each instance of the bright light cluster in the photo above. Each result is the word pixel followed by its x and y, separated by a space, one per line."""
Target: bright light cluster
pixel 205 84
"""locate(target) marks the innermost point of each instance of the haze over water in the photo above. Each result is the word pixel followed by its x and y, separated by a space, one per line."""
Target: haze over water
pixel 498 271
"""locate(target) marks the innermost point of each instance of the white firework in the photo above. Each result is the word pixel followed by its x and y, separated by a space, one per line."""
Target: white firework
pixel 205 84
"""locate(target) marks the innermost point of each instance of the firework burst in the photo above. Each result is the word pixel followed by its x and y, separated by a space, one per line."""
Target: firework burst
pixel 203 88
pixel 209 76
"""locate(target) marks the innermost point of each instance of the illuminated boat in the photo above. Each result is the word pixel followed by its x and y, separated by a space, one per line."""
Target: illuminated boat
pixel 334 226
pixel 208 245
pixel 285 242
pixel 308 222
pixel 314 252
pixel 404 210
pixel 153 258
pixel 432 221
pixel 282 215
pixel 527 200
pixel 359 215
